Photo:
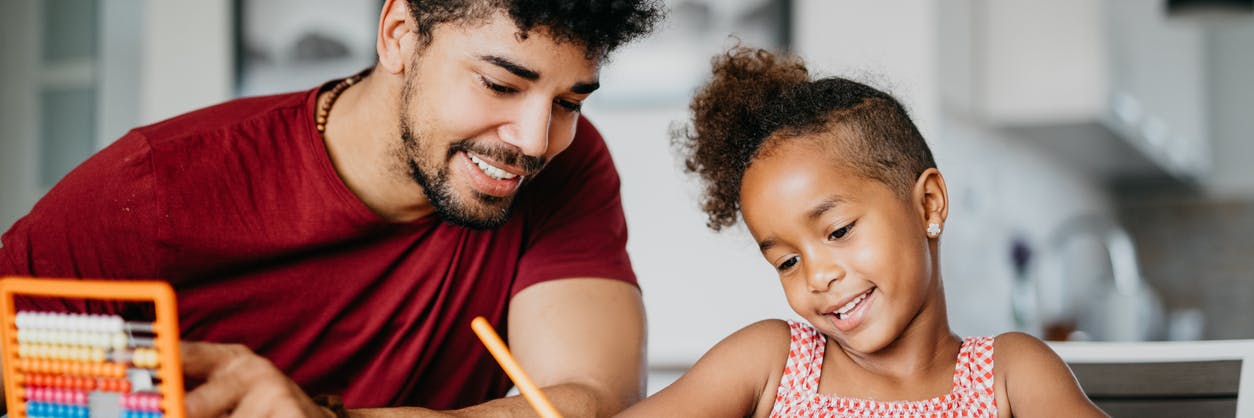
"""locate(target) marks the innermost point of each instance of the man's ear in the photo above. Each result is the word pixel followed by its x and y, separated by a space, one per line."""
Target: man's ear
pixel 931 199
pixel 398 37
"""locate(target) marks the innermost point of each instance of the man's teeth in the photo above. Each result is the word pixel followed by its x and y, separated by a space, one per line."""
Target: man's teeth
pixel 491 170
pixel 844 310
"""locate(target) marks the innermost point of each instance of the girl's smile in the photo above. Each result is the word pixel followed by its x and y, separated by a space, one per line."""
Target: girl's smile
pixel 848 316
pixel 852 254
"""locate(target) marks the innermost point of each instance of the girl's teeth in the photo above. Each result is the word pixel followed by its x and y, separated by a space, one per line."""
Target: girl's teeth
pixel 844 310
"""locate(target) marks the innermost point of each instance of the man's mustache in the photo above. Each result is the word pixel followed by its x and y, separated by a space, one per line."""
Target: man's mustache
pixel 503 154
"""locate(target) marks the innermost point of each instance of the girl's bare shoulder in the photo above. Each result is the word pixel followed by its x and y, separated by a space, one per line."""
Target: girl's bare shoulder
pixel 759 349
pixel 1033 381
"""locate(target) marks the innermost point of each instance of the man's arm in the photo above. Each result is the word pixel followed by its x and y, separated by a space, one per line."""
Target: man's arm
pixel 585 333
pixel 581 340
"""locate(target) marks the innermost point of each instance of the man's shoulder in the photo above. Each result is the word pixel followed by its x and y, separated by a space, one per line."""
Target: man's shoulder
pixel 588 142
pixel 238 114
pixel 587 151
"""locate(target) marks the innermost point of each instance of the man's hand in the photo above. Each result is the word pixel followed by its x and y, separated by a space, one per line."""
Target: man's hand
pixel 240 383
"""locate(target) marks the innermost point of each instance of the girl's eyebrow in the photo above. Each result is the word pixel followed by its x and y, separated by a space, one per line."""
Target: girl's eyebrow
pixel 766 244
pixel 824 206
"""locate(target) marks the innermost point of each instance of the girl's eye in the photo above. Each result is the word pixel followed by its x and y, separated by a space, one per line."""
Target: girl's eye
pixel 789 263
pixel 497 87
pixel 840 233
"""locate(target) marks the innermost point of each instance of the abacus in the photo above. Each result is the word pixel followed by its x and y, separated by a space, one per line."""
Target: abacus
pixel 61 365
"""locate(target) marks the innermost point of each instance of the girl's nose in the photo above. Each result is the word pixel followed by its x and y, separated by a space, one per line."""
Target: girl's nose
pixel 821 276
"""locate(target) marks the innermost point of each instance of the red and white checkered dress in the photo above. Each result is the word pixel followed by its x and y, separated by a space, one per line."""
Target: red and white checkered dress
pixel 972 394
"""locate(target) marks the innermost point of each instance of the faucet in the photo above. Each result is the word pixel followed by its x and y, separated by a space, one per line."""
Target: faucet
pixel 1126 309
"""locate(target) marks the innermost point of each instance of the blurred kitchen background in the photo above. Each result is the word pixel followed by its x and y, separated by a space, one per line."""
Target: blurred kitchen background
pixel 1097 151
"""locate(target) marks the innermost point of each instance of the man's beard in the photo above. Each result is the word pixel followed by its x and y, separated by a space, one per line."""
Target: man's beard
pixel 478 211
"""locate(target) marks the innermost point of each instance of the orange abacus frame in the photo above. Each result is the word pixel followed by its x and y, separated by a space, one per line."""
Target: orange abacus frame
pixel 169 368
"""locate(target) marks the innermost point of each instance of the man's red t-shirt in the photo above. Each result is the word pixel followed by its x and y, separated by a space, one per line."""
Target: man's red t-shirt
pixel 238 206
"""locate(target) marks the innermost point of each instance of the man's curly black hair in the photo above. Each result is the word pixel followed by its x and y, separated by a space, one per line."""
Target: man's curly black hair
pixel 599 26
pixel 757 100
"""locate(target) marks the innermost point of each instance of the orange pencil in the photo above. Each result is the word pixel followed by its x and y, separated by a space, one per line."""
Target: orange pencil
pixel 498 349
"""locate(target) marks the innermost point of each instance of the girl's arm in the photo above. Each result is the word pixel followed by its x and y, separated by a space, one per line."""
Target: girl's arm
pixel 1035 381
pixel 736 378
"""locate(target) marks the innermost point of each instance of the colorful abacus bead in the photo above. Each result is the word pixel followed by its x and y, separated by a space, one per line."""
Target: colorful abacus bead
pixel 62 358
pixel 34 394
pixel 59 381
pixel 44 409
pixel 114 385
pixel 141 402
pixel 84 383
pixel 145 358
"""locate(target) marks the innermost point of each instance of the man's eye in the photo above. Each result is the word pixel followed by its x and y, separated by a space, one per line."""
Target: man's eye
pixel 789 263
pixel 840 233
pixel 497 87
pixel 569 105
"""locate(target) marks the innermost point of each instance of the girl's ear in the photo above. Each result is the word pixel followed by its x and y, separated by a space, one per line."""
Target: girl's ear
pixel 398 37
pixel 932 201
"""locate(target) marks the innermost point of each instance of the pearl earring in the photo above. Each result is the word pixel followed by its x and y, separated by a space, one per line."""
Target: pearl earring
pixel 933 229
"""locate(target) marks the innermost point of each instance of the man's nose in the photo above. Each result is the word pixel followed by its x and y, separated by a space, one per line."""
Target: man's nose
pixel 529 128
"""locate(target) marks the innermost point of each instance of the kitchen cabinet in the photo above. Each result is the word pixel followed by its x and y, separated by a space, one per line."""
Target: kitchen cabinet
pixel 1158 98
pixel 1022 62
pixel 1230 44
pixel 1115 87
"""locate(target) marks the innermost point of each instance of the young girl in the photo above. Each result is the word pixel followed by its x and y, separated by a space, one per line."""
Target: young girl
pixel 841 193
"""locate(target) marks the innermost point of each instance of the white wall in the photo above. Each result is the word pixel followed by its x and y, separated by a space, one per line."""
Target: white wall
pixel 890 45
pixel 19 60
pixel 119 64
pixel 698 286
pixel 1231 90
pixel 187 60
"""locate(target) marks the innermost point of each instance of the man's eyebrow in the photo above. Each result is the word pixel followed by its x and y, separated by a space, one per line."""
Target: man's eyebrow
pixel 585 88
pixel 529 74
pixel 824 206
pixel 515 68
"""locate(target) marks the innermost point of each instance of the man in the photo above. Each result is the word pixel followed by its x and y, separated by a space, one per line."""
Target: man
pixel 343 238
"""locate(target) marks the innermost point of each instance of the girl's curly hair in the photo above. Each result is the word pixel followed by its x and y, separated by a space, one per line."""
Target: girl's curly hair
pixel 757 97
pixel 599 25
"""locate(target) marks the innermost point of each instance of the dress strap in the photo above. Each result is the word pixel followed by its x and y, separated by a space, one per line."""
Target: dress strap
pixel 974 371
pixel 805 359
